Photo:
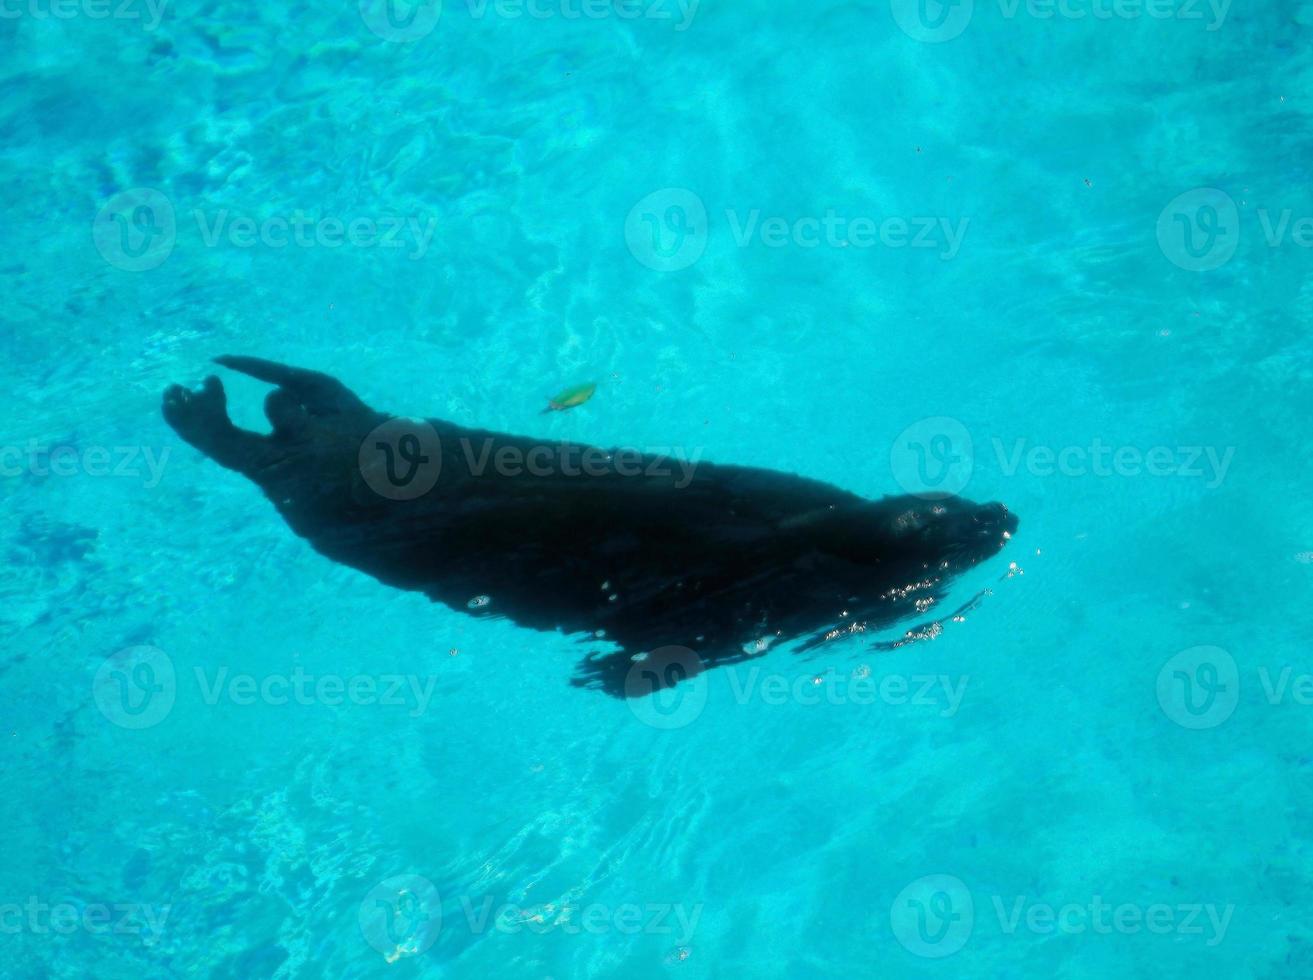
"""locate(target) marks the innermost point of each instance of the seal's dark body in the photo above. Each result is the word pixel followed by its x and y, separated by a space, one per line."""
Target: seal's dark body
pixel 626 552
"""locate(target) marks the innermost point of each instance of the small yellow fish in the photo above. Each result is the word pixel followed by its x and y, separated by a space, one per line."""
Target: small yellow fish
pixel 571 397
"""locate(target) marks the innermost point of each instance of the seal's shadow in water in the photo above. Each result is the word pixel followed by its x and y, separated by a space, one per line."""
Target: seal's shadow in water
pixel 630 548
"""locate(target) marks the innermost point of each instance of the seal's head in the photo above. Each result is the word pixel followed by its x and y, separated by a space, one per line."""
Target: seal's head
pixel 954 534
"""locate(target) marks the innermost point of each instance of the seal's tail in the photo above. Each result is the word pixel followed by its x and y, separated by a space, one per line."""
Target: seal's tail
pixel 320 394
pixel 201 418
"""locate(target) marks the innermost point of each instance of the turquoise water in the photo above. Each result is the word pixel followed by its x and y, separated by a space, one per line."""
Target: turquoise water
pixel 1051 260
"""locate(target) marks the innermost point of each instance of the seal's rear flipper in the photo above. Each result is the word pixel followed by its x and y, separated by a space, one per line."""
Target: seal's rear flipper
pixel 320 394
pixel 201 418
pixel 604 672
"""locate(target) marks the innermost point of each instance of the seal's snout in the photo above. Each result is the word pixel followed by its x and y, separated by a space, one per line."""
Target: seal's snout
pixel 996 517
pixel 952 532
pixel 966 533
pixel 992 525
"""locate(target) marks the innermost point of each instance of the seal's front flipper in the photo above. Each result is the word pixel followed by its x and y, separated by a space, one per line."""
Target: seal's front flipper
pixel 320 394
pixel 201 418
